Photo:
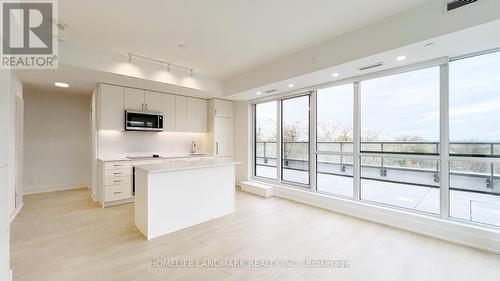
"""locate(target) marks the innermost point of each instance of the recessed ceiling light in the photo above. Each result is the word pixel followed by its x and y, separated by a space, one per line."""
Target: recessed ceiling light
pixel 335 74
pixel 61 84
pixel 258 93
pixel 291 85
pixel 401 58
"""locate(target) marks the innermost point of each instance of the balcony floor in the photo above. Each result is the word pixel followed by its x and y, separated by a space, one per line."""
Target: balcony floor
pixel 470 206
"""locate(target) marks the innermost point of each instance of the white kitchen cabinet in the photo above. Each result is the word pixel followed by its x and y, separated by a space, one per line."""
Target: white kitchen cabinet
pixel 191 114
pixel 220 128
pixel 180 114
pixel 110 107
pixel 168 113
pixel 222 108
pixel 153 102
pixel 134 99
pixel 223 136
pixel 202 110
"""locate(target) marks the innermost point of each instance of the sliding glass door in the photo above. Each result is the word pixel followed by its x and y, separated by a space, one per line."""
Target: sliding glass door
pixel 295 140
pixel 334 123
pixel 266 139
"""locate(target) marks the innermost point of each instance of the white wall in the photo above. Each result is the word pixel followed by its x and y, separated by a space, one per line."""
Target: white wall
pixel 4 174
pixel 119 144
pixel 242 140
pixel 16 92
pixel 56 141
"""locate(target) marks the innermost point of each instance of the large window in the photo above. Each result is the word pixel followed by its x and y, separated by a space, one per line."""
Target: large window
pixel 400 123
pixel 295 139
pixel 378 139
pixel 335 140
pixel 475 139
pixel 266 140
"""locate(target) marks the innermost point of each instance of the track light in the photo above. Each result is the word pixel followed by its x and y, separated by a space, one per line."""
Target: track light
pixel 169 65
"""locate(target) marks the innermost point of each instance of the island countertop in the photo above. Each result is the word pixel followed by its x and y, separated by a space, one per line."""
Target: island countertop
pixel 185 165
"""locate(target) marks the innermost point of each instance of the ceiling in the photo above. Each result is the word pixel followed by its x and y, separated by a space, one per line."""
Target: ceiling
pixel 221 38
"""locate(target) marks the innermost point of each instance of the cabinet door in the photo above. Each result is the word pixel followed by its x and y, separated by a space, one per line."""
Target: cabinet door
pixel 134 99
pixel 192 114
pixel 111 112
pixel 154 102
pixel 223 108
pixel 223 135
pixel 202 116
pixel 168 113
pixel 180 114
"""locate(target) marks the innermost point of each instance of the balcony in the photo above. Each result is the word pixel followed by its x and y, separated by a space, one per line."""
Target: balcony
pixel 410 184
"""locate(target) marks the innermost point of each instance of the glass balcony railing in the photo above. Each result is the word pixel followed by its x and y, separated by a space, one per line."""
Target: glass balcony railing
pixel 464 175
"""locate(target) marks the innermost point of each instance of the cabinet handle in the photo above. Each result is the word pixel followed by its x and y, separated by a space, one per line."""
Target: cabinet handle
pixel 117 192
pixel 117 181
pixel 117 173
pixel 215 112
pixel 216 148
pixel 143 107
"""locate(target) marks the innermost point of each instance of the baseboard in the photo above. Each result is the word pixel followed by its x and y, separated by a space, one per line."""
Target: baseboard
pixel 484 238
pixel 44 189
pixel 16 211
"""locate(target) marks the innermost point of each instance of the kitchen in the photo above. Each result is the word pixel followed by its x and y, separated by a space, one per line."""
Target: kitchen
pixel 204 137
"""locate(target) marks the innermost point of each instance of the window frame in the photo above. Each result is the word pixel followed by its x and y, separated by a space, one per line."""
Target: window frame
pixel 443 157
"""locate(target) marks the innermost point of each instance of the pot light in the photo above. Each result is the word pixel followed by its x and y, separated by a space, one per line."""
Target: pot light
pixel 61 84
pixel 291 85
pixel 335 74
pixel 401 58
pixel 258 93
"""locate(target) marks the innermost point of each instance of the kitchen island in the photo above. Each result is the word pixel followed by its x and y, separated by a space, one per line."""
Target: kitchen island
pixel 173 196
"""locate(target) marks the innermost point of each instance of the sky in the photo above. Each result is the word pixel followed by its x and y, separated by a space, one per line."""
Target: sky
pixel 408 103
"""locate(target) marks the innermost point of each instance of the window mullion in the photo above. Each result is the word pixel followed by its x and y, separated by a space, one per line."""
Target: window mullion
pixel 356 142
pixel 444 138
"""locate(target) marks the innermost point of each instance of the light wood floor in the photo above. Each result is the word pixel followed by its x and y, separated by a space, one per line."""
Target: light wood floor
pixel 64 236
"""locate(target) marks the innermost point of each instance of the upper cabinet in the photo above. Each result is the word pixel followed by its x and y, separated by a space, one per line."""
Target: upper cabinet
pixel 153 102
pixel 169 113
pixel 223 108
pixel 110 107
pixel 134 99
pixel 180 114
pixel 202 115
pixel 143 101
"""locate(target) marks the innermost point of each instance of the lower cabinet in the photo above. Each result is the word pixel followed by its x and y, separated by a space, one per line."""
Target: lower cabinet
pixel 116 179
pixel 116 183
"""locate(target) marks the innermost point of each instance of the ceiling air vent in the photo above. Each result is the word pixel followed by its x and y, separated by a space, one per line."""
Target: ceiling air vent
pixel 270 91
pixel 455 4
pixel 371 66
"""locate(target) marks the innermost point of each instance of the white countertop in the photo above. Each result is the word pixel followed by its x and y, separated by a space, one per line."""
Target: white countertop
pixel 124 158
pixel 188 165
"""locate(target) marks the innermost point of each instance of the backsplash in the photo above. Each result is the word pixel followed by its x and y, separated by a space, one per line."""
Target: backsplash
pixel 116 143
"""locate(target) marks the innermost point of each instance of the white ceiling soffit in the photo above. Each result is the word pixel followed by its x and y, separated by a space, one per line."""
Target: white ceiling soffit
pixel 83 81
pixel 373 43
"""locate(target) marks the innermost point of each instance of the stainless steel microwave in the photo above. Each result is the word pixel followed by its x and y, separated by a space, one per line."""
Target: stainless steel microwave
pixel 143 121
